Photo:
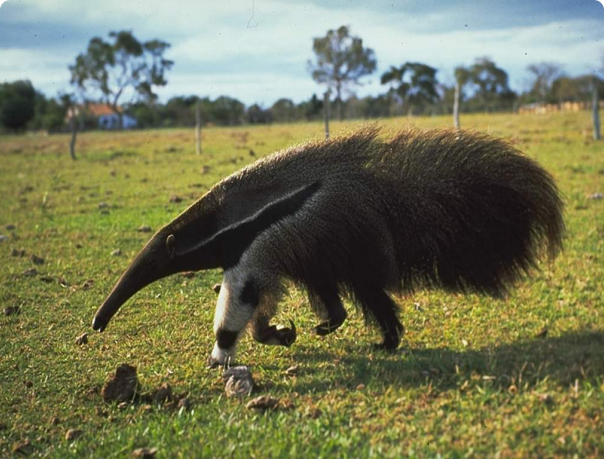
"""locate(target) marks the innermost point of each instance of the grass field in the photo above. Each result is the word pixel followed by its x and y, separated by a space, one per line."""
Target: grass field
pixel 475 376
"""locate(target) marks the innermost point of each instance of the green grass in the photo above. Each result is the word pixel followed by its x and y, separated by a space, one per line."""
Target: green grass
pixel 475 377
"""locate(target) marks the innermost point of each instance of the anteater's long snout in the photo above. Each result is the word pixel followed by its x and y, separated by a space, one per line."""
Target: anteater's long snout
pixel 118 296
pixel 131 282
pixel 146 268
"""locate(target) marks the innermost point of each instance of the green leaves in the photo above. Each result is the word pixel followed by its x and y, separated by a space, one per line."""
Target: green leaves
pixel 17 101
pixel 108 68
pixel 341 61
pixel 415 83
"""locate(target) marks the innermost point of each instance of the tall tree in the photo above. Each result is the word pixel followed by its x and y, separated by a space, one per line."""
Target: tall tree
pixel 414 83
pixel 491 83
pixel 108 69
pixel 578 89
pixel 543 76
pixel 311 109
pixel 341 61
pixel 228 111
pixel 17 104
pixel 284 111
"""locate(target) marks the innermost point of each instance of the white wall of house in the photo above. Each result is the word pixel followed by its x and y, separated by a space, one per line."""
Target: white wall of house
pixel 113 122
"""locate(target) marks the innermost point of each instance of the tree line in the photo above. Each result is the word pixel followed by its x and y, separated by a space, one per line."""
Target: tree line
pixel 108 69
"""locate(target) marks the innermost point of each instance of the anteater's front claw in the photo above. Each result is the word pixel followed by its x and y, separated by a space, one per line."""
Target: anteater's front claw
pixel 213 363
pixel 286 336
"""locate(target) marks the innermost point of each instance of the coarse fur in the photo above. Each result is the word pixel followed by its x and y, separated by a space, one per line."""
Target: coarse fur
pixel 455 210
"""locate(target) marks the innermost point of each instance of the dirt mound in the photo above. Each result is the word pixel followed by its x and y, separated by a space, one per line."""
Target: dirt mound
pixel 121 386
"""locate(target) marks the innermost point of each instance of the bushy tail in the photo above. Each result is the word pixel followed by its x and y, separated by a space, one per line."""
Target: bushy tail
pixel 470 212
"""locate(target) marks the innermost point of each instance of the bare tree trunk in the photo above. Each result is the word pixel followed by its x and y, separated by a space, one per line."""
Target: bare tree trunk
pixel 74 133
pixel 595 114
pixel 326 113
pixel 456 106
pixel 197 129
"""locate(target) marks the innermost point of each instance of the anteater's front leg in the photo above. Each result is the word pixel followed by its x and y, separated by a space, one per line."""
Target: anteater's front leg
pixel 238 299
pixel 266 333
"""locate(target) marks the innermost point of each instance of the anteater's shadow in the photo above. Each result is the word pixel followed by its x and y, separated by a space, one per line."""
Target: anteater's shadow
pixel 563 360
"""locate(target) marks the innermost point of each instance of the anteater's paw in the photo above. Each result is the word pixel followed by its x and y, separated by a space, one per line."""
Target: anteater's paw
pixel 327 327
pixel 213 363
pixel 275 336
pixel 388 345
pixel 220 357
pixel 286 336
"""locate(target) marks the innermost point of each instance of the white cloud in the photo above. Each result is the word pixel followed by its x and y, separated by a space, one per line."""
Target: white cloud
pixel 39 66
pixel 222 48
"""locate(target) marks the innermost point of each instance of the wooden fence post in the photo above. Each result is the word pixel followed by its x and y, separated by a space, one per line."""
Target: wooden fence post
pixel 456 105
pixel 197 129
pixel 326 112
pixel 595 109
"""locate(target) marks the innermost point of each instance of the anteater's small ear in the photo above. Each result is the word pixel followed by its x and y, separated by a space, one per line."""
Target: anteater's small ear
pixel 171 245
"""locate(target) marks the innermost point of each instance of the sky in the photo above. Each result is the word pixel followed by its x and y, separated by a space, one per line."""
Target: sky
pixel 258 50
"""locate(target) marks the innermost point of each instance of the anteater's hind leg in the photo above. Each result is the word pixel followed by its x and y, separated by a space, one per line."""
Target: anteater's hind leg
pixel 326 303
pixel 378 304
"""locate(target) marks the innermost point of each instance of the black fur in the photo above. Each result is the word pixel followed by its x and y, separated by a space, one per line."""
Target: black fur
pixel 460 211
pixel 448 209
pixel 249 294
pixel 226 338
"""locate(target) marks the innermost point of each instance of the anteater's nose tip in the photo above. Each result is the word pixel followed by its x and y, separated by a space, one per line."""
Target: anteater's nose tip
pixel 99 323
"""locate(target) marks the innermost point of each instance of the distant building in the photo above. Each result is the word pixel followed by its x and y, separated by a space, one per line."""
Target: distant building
pixel 541 108
pixel 104 116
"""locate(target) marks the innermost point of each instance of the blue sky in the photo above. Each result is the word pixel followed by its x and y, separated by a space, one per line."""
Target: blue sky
pixel 257 50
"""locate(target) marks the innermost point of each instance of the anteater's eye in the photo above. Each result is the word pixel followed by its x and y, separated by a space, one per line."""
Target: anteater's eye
pixel 171 245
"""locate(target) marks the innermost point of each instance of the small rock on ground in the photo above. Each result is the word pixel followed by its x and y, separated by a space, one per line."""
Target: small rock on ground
pixel 144 229
pixel 238 381
pixel 216 288
pixel 116 253
pixel 546 399
pixel 87 284
pixel 11 310
pixel 23 447
pixel 263 403
pixel 163 394
pixel 144 452
pixel 184 403
pixel 72 434
pixel 30 272
pixel 36 260
pixel 82 339
pixel 120 386
pixel 293 370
